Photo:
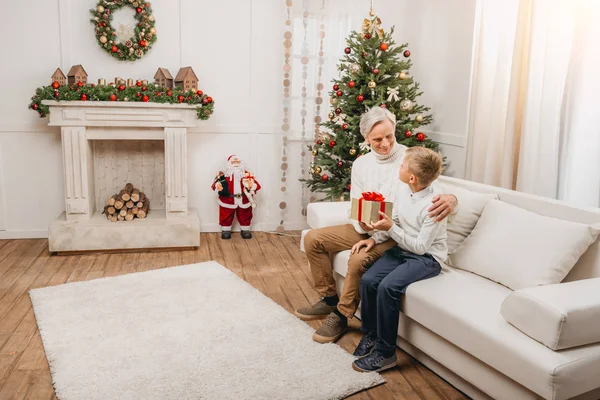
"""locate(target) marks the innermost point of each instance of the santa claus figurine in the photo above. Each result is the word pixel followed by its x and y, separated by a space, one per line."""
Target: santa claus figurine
pixel 236 188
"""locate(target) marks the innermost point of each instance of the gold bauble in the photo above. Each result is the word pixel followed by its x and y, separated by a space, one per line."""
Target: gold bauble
pixel 352 151
pixel 402 75
pixel 419 118
pixel 151 18
pixel 372 84
pixel 100 9
pixel 372 13
pixel 406 105
pixel 103 39
pixel 315 152
pixel 317 170
pixel 333 101
pixel 331 115
pixel 153 31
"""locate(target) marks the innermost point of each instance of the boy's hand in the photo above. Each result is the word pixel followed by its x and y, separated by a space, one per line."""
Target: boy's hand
pixel 369 243
pixel 384 224
pixel 364 226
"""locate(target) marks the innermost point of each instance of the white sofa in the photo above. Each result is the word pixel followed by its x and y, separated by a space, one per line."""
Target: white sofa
pixel 453 323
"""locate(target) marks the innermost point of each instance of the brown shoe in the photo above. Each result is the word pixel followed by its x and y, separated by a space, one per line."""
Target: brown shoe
pixel 318 310
pixel 331 330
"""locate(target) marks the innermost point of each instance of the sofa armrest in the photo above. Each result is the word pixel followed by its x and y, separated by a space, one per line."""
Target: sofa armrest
pixel 322 214
pixel 559 316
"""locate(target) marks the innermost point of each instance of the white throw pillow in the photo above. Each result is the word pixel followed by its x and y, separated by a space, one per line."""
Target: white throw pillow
pixel 470 207
pixel 519 248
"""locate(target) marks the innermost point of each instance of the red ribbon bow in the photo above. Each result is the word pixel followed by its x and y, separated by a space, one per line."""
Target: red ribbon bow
pixel 372 196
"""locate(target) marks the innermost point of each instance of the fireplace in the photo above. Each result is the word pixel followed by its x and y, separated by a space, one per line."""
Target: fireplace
pixel 106 144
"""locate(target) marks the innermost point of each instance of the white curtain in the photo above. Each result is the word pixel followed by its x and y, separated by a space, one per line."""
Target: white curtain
pixel 534 121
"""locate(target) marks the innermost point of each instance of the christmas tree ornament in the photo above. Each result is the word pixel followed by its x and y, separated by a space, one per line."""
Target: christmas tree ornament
pixel 199 92
pixel 364 54
pixel 56 94
pixel 355 68
pixel 351 84
pixel 204 101
pixel 315 152
pixel 145 98
pixel 83 97
pixel 420 136
pixel 331 115
pixel 332 143
pixel 360 98
pixel 235 188
pixel 209 99
pixel 121 88
pixel 112 97
pixel 103 39
pixel 319 142
pixel 349 186
pixel 339 93
pixel 55 85
pixel 336 87
pixel 138 94
pixel 35 106
pixel 406 53
pixel 114 49
pixel 340 164
pixel 181 99
pixel 318 170
pixel 375 71
pixel 372 84
pixel 352 151
pixel 402 76
pixel 325 178
pixel 383 46
pixel 368 36
pixel 383 106
pixel 338 111
pixel 347 50
pixel 419 118
pixel 344 126
pixel 333 101
pixel 407 133
pixel 393 93
pixel 406 105
pixel 372 13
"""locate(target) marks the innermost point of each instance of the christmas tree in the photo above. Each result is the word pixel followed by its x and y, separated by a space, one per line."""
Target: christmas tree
pixel 374 72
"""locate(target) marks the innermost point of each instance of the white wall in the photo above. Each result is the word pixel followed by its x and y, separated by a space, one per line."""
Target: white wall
pixel 235 48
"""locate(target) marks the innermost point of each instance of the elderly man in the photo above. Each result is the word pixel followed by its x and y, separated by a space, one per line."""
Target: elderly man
pixel 376 171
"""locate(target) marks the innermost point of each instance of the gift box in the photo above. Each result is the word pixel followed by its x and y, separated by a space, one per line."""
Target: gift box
pixel 366 209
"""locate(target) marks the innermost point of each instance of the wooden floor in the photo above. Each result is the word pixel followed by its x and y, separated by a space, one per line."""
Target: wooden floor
pixel 271 263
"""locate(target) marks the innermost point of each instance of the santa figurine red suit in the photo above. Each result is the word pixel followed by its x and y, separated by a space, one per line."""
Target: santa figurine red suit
pixel 236 188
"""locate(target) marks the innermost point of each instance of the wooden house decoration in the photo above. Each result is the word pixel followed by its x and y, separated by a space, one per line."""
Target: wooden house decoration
pixel 59 77
pixel 187 79
pixel 163 78
pixel 77 74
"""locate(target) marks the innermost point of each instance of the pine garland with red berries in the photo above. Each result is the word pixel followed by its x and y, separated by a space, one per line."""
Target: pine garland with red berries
pixel 138 93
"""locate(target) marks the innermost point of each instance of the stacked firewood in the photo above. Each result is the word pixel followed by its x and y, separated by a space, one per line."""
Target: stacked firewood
pixel 126 205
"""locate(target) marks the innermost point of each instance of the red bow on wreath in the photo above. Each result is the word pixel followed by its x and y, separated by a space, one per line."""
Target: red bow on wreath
pixel 372 196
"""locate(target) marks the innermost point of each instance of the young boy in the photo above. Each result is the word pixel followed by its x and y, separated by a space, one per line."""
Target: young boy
pixel 421 248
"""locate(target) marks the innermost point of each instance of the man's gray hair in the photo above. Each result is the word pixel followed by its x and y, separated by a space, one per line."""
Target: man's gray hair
pixel 373 117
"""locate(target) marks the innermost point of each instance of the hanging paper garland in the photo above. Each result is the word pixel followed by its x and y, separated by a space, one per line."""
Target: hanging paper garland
pixel 113 42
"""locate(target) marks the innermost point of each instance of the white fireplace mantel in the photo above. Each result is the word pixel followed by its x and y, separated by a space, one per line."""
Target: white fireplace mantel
pixel 82 122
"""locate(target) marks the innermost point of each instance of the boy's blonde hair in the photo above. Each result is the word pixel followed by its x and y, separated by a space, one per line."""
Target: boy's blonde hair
pixel 424 163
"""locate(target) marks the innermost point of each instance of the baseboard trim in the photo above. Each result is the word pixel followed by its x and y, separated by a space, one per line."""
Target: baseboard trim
pixel 33 234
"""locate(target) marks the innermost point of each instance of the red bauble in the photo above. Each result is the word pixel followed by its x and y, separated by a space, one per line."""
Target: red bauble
pixel 336 87
pixel 368 36
pixel 344 126
pixel 138 10
pixel 199 92
pixel 121 87
pixel 332 143
pixel 349 186
pixel 80 84
pixel 138 94
pixel 383 106
pixel 35 106
pixel 114 49
pixel 92 84
pixel 340 164
pixel 169 93
pixel 383 46
pixel 144 88
pixel 113 97
pixel 339 93
pixel 420 136
pixel 364 54
pixel 209 99
pixel 55 85
pixel 83 97
pixel 407 134
pixel 143 43
pixel 145 98
pixel 319 142
pixel 158 94
pixel 347 50
pixel 189 98
pixel 360 98
pixel 406 53
pixel 325 178
pixel 375 71
pixel 351 84
pixel 138 83
pixel 56 94
pixel 338 110
pixel 180 98
pixel 204 101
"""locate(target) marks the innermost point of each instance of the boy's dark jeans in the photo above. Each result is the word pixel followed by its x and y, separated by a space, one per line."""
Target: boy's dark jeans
pixel 380 290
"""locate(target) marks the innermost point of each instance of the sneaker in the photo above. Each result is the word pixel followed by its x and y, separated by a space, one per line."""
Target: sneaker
pixel 374 362
pixel 318 310
pixel 226 235
pixel 366 345
pixel 331 330
pixel 246 235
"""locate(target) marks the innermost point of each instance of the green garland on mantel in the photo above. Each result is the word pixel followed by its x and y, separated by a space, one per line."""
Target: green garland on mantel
pixel 121 93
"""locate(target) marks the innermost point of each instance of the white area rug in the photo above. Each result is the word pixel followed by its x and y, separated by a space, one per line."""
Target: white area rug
pixel 190 332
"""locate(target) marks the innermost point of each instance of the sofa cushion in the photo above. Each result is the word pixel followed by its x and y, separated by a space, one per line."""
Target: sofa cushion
pixel 559 316
pixel 520 249
pixel 464 309
pixel 322 214
pixel 470 207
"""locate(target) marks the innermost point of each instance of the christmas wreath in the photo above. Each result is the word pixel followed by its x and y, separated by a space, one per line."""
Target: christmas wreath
pixel 115 42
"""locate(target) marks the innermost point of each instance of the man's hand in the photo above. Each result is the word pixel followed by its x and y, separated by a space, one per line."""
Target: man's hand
pixel 369 243
pixel 383 224
pixel 443 205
